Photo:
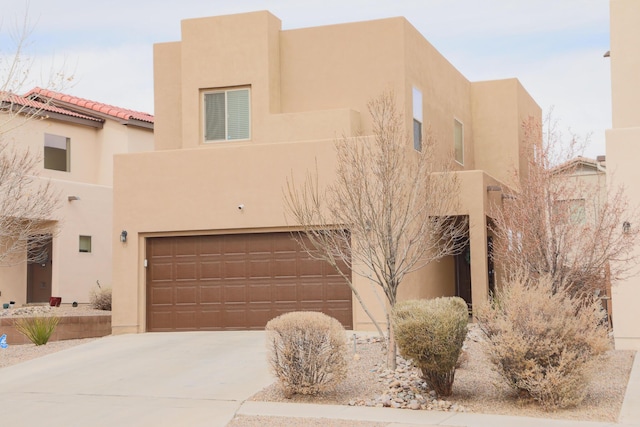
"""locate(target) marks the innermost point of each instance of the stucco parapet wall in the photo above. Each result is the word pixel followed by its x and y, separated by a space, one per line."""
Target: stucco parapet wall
pixel 479 192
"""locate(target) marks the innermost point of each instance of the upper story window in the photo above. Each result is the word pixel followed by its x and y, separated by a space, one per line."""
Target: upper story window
pixel 458 141
pixel 57 150
pixel 417 119
pixel 227 115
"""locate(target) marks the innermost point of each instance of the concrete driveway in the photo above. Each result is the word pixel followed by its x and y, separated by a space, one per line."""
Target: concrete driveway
pixel 155 379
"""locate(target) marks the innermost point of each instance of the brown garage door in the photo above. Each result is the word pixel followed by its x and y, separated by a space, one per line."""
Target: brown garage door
pixel 238 281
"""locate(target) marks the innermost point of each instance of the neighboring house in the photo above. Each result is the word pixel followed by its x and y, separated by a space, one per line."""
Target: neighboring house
pixel 623 151
pixel 240 106
pixel 76 140
pixel 585 186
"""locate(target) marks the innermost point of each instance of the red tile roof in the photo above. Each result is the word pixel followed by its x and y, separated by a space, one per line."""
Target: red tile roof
pixel 40 106
pixel 110 110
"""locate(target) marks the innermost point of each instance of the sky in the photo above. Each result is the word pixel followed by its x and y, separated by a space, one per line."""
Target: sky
pixel 554 47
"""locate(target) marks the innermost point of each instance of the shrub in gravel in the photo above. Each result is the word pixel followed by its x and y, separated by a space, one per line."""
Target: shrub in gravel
pixel 307 352
pixel 38 329
pixel 100 298
pixel 544 344
pixel 431 332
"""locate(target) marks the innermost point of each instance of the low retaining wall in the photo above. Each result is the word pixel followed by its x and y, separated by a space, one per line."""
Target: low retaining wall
pixel 69 328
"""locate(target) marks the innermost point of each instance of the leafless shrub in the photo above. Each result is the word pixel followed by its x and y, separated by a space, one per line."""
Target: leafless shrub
pixel 307 352
pixel 101 298
pixel 431 332
pixel 544 343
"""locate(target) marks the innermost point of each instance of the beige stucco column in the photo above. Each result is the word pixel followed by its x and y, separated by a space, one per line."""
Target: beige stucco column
pixel 479 266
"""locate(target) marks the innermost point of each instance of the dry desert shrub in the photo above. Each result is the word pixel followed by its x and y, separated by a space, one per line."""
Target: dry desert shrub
pixel 431 332
pixel 544 344
pixel 307 352
pixel 101 298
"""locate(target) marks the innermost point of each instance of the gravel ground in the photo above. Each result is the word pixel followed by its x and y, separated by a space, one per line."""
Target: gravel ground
pixel 476 389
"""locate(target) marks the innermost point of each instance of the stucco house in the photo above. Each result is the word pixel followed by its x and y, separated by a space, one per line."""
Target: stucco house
pixel 76 140
pixel 623 150
pixel 240 105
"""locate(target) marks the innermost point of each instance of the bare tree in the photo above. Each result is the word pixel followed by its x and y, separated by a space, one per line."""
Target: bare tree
pixel 388 212
pixel 27 202
pixel 560 225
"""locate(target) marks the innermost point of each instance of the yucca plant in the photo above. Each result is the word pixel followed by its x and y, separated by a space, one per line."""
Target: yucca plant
pixel 37 329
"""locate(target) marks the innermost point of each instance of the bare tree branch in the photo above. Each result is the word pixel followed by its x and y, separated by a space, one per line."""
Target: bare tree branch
pixel 389 210
pixel 558 223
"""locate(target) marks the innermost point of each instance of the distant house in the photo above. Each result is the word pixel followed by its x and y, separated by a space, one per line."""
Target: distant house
pixel 240 106
pixel 76 140
pixel 623 151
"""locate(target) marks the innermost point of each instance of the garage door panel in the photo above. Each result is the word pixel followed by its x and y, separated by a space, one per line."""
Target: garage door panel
pixel 185 246
pixel 286 293
pixel 234 244
pixel 285 268
pixel 186 295
pixel 338 292
pixel 210 247
pixel 260 244
pixel 260 269
pixel 162 296
pixel 235 293
pixel 235 269
pixel 237 282
pixel 311 292
pixel 210 294
pixel 161 248
pixel 161 272
pixel 310 268
pixel 186 271
pixel 210 270
pixel 185 319
pixel 260 293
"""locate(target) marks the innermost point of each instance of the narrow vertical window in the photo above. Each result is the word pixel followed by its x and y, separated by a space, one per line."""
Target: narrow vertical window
pixel 417 119
pixel 458 141
pixel 56 152
pixel 227 115
pixel 85 244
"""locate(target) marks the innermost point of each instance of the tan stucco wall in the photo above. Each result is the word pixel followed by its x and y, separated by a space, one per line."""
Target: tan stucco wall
pixel 308 86
pixel 499 110
pixel 623 150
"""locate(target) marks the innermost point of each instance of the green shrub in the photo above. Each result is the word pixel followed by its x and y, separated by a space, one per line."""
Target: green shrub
pixel 307 352
pixel 543 344
pixel 37 329
pixel 101 298
pixel 431 332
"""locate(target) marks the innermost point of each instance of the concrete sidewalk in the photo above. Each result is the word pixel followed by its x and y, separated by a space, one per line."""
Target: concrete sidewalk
pixel 198 379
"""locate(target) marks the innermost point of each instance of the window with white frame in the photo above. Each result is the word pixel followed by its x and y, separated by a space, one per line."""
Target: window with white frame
pixel 458 141
pixel 57 150
pixel 417 119
pixel 227 115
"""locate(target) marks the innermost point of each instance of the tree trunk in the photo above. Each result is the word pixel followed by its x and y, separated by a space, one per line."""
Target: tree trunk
pixel 391 346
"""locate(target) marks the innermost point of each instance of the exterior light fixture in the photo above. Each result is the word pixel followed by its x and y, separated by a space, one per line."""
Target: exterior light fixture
pixel 72 198
pixel 607 54
pixel 123 236
pixel 626 226
pixel 494 188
